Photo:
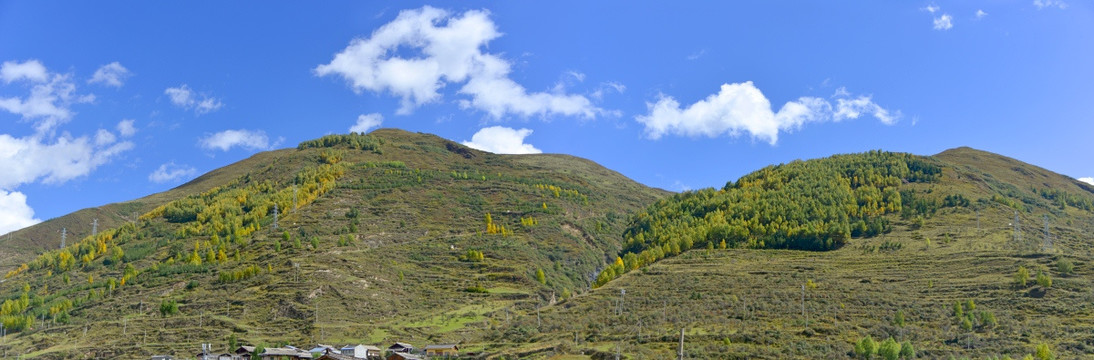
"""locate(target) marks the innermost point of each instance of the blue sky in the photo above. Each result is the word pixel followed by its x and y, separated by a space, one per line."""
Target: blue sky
pixel 109 101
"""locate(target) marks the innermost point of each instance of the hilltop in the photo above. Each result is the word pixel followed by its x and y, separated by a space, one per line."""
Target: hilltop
pixel 379 237
pixel 904 254
pixel 395 236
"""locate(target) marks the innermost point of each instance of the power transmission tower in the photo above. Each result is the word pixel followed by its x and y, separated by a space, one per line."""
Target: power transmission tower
pixel 1017 229
pixel 64 235
pixel 977 223
pixel 94 227
pixel 1048 237
pixel 294 197
pixel 275 217
pixel 622 294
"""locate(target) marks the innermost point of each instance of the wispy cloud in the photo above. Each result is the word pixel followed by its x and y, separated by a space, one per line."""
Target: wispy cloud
pixel 1088 180
pixel 698 54
pixel 741 108
pixel 112 74
pixel 944 22
pixel 170 172
pixel 228 139
pixel 502 140
pixel 126 128
pixel 186 98
pixel 50 98
pixel 980 14
pixel 1041 4
pixel 446 49
pixel 366 122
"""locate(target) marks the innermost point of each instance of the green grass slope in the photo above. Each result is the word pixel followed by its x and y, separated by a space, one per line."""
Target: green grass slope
pixel 394 236
pixel 949 238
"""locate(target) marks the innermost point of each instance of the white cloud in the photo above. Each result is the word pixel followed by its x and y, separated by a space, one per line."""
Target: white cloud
pixel 1088 180
pixel 112 74
pixel 606 87
pixel 29 159
pixel 227 139
pixel 15 214
pixel 50 96
pixel 502 140
pixel 980 14
pixel 944 22
pixel 741 107
pixel 447 49
pixel 185 98
pixel 103 138
pixel 366 122
pixel 171 172
pixel 697 55
pixel 126 128
pixel 31 70
pixel 932 8
pixel 1041 4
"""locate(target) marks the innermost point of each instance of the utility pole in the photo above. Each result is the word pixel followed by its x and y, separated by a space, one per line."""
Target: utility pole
pixel 294 197
pixel 64 234
pixel 977 223
pixel 681 344
pixel 95 227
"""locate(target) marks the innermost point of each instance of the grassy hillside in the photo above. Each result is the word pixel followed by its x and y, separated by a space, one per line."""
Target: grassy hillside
pixel 949 239
pixel 393 236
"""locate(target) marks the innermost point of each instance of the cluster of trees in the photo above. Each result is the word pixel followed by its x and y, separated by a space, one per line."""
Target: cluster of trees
pixel 811 205
pixel 528 221
pixel 968 318
pixel 352 140
pixel 493 228
pixel 888 349
pixel 559 192
pixel 472 256
pixel 1062 199
pixel 246 272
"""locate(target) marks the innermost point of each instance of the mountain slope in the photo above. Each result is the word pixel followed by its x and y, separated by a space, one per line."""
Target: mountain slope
pixel 949 238
pixel 382 237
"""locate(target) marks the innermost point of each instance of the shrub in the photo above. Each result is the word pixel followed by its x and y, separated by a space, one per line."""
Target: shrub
pixel 1065 266
pixel 1043 352
pixel 168 308
pixel 907 351
pixel 866 348
pixel 1044 280
pixel 1022 276
pixel 889 349
pixel 898 319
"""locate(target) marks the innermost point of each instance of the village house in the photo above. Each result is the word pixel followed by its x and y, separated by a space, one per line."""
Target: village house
pixel 404 356
pixel 445 350
pixel 335 356
pixel 362 351
pixel 245 352
pixel 284 353
pixel 400 347
pixel 323 349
